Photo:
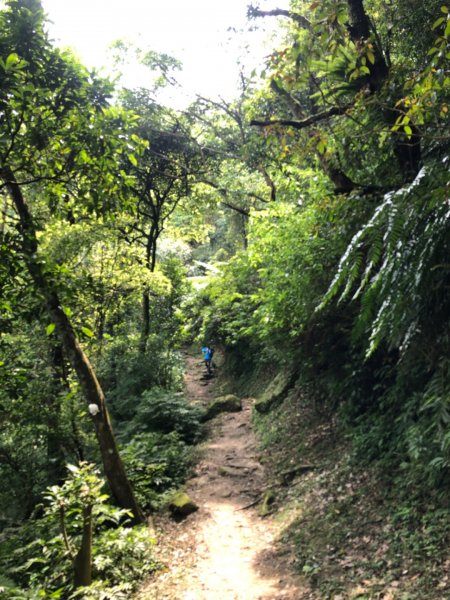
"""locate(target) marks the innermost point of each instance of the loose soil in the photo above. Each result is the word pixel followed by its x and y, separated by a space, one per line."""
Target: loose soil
pixel 226 550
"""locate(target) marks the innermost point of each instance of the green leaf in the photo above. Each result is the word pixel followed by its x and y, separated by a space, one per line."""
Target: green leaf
pixel 444 9
pixel 133 160
pixel 84 156
pixel 371 56
pixel 11 60
pixel 407 129
pixel 13 63
pixel 87 332
pixel 67 311
pixel 50 328
pixel 438 22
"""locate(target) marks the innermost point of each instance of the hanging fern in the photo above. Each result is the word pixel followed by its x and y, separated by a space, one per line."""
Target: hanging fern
pixel 389 263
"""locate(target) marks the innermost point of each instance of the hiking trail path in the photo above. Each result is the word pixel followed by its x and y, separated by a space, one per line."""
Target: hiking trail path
pixel 225 550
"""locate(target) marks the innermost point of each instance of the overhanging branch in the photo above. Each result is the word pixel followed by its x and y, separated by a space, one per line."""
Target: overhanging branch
pixel 253 12
pixel 224 192
pixel 238 209
pixel 336 110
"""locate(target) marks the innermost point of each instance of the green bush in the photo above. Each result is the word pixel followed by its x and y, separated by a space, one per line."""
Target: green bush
pixel 155 463
pixel 39 555
pixel 164 411
pixel 125 374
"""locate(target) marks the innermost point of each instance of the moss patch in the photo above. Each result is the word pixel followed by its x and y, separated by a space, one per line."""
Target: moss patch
pixel 223 404
pixel 181 505
pixel 275 392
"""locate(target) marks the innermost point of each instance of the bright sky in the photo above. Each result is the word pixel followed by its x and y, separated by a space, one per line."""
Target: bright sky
pixel 194 31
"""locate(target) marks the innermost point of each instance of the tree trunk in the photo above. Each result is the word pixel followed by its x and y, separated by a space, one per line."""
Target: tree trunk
pixel 360 30
pixel 151 265
pixel 55 450
pixel 145 331
pixel 244 222
pixel 407 151
pixel 82 564
pixel 360 26
pixel 93 393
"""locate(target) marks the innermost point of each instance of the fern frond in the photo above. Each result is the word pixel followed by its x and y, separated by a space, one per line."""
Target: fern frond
pixel 391 258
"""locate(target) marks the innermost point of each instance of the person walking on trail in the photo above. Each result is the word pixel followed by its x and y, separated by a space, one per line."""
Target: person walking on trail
pixel 208 354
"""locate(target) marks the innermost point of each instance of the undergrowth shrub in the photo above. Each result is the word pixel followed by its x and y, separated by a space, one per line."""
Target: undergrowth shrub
pixel 228 304
pixel 164 411
pixel 126 374
pixel 33 420
pixel 373 348
pixel 262 307
pixel 37 557
pixel 124 555
pixel 395 272
pixel 156 463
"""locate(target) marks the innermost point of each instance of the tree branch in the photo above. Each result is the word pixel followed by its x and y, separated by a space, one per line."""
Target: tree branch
pixel 225 194
pixel 241 211
pixel 335 110
pixel 269 182
pixel 254 12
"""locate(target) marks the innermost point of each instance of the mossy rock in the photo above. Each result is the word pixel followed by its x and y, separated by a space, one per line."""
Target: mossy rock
pixel 222 404
pixel 267 502
pixel 276 392
pixel 182 505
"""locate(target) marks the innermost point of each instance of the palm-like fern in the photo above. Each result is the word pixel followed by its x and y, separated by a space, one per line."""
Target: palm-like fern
pixel 393 261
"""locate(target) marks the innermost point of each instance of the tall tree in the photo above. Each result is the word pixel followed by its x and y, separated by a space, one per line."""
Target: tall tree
pixel 340 70
pixel 54 128
pixel 163 175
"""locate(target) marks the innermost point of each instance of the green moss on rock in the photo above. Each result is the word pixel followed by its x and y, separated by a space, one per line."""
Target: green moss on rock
pixel 267 502
pixel 222 404
pixel 182 505
pixel 276 392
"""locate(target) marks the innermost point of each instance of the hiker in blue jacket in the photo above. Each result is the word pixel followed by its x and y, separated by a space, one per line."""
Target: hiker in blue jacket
pixel 208 353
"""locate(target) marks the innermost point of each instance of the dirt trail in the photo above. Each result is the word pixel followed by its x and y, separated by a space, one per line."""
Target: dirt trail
pixel 224 551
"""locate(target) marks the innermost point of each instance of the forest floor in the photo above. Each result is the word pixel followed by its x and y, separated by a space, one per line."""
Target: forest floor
pixel 225 550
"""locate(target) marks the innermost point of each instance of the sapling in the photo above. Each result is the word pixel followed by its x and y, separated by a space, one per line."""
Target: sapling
pixel 76 503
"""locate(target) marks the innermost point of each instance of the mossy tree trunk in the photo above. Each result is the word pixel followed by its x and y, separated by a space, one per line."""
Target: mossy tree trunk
pixel 93 393
pixel 82 563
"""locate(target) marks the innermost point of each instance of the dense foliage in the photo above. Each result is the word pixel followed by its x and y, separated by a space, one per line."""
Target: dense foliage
pixel 75 282
pixel 345 277
pixel 302 227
